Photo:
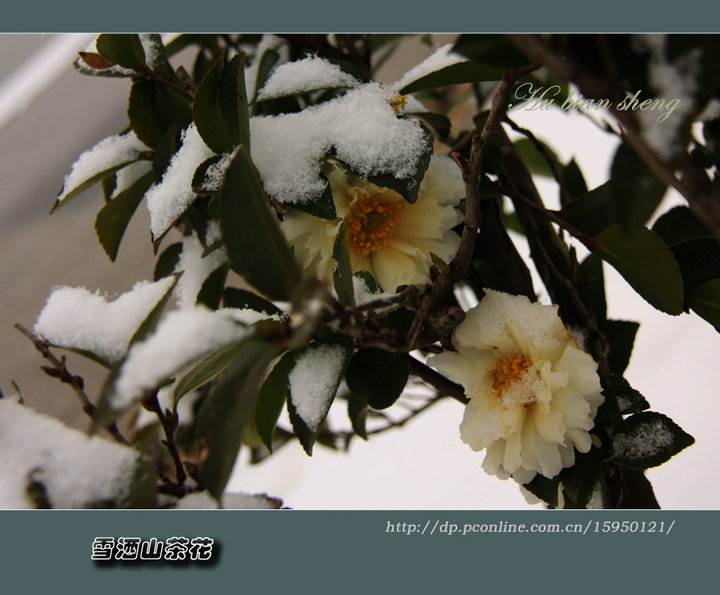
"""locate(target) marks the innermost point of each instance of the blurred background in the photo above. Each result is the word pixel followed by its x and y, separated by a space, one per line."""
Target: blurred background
pixel 49 114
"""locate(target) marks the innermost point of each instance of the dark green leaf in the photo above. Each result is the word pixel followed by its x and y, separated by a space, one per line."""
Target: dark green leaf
pixel 358 413
pixel 211 291
pixel 534 160
pixel 455 74
pixel 306 429
pixel 647 263
pixel 545 489
pixel 172 107
pixel 234 101
pixel 323 206
pixel 198 183
pixel 705 301
pixel 635 192
pixel 342 273
pixel 592 285
pixel 699 261
pixel 379 377
pixel 272 396
pixel 621 334
pixel 592 481
pixel 166 262
pixel 167 146
pixel 680 225
pixel 225 412
pixel 573 180
pixel 207 112
pixel 369 281
pixel 648 439
pixel 122 48
pixel 108 186
pixel 492 50
pixel 142 113
pixel 148 325
pixel 256 246
pixel 590 212
pixel 91 181
pixel 620 398
pixel 112 220
pixel 439 123
pixel 207 369
pixel 244 299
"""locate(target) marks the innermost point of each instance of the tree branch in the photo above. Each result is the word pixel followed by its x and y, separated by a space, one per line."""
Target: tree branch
pixel 59 370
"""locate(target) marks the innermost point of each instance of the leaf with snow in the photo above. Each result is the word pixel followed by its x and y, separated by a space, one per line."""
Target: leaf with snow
pixel 361 129
pixel 169 199
pixel 70 469
pixel 303 76
pixel 648 439
pixel 95 164
pixel 182 338
pixel 443 68
pixel 73 318
pixel 196 266
pixel 313 383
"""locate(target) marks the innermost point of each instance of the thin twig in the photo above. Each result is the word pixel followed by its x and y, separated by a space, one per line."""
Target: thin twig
pixel 59 370
pixel 168 422
pixel 444 386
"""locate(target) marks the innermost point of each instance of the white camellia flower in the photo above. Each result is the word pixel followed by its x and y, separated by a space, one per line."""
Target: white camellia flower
pixel 533 393
pixel 386 235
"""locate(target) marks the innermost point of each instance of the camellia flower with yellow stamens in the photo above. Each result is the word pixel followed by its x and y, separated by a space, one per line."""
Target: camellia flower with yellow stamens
pixel 386 236
pixel 533 392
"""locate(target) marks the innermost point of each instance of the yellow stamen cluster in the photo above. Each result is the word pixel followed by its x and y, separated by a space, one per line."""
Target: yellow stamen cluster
pixel 398 103
pixel 371 224
pixel 508 370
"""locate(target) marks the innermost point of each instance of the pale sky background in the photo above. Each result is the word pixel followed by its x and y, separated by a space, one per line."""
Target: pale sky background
pixel 424 464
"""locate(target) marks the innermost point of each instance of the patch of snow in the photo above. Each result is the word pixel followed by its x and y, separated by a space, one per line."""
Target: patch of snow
pixel 267 42
pixel 309 74
pixel 361 127
pixel 182 338
pixel 438 60
pixel 77 471
pixel 647 440
pixel 109 152
pixel 194 267
pixel 197 501
pixel 127 176
pixel 173 195
pixel 314 381
pixel 77 319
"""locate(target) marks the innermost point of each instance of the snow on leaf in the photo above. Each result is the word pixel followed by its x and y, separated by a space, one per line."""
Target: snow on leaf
pixel 194 267
pixel 440 59
pixel 76 471
pixel 314 381
pixel 182 338
pixel 361 128
pixel 173 195
pixel 74 318
pixel 109 153
pixel 310 74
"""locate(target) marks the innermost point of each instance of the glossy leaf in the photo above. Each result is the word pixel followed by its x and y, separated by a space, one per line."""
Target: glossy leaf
pixel 122 48
pixel 454 74
pixel 211 291
pixel 207 111
pixel 142 113
pixel 244 299
pixel 621 334
pixel 648 439
pixel 589 212
pixel 680 225
pixel 635 192
pixel 620 398
pixel 256 246
pixel 534 160
pixel 272 397
pixel 234 101
pixel 91 181
pixel 379 377
pixel 705 301
pixel 225 412
pixel 166 262
pixel 647 264
pixel 492 50
pixel 323 206
pixel 207 369
pixel 358 414
pixel 112 220
pixel 573 180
